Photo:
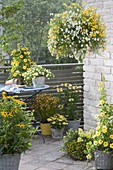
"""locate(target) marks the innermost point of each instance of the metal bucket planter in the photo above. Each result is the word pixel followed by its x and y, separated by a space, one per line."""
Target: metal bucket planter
pixel 57 133
pixel 74 124
pixel 103 160
pixel 38 82
pixel 9 161
pixel 45 128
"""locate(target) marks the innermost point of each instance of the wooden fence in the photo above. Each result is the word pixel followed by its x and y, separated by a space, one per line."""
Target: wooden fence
pixel 64 73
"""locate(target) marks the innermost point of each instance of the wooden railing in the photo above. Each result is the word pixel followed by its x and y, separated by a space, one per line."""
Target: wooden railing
pixel 64 73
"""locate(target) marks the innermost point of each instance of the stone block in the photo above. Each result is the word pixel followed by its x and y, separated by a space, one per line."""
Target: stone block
pixel 108 4
pixel 103 69
pixel 108 62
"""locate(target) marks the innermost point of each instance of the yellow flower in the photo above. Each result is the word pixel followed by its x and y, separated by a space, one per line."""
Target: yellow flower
pixel 19 101
pixel 15 74
pixel 89 156
pixel 25 60
pixel 6 114
pixel 95 143
pixel 104 129
pixel 101 102
pixel 28 52
pixel 3 93
pixel 24 67
pixel 25 53
pixel 20 125
pixel 100 141
pixel 22 49
pixel 98 127
pixel 97 133
pixel 105 144
pixel 111 136
pixel 21 56
pixel 111 145
pixel 102 114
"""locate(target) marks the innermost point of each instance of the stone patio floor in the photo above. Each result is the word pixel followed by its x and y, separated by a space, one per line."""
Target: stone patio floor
pixel 47 156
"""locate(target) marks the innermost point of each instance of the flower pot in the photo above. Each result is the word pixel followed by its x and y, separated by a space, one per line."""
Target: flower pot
pixel 57 133
pixel 9 161
pixel 38 82
pixel 45 128
pixel 103 160
pixel 74 124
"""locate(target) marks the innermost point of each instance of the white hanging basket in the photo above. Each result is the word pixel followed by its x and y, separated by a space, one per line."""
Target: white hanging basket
pixel 38 82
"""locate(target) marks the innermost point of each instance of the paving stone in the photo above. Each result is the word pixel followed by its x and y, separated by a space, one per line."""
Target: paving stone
pixel 47 156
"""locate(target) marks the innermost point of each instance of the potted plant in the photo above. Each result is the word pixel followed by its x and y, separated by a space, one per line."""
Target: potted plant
pixel 69 96
pixel 15 131
pixel 102 145
pixel 45 106
pixel 36 75
pixel 75 32
pixel 21 61
pixel 57 123
pixel 74 143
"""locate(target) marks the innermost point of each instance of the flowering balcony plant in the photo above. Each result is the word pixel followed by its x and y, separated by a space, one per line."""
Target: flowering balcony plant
pixel 36 71
pixel 57 121
pixel 15 131
pixel 103 137
pixel 74 143
pixel 46 105
pixel 21 61
pixel 76 32
pixel 69 96
pixel 15 128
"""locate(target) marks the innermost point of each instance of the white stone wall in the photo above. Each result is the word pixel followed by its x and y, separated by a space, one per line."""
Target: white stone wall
pixel 95 66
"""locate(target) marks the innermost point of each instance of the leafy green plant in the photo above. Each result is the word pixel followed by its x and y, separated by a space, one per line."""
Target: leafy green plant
pixel 21 62
pixel 103 137
pixel 69 96
pixel 15 125
pixel 46 105
pixel 74 143
pixel 36 71
pixel 57 121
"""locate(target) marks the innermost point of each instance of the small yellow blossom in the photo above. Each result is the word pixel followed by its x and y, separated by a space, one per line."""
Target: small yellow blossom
pixel 105 144
pixel 111 136
pixel 101 102
pixel 104 129
pixel 20 125
pixel 111 145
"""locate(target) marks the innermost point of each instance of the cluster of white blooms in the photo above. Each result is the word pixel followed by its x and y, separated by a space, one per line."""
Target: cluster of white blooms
pixel 36 71
pixel 75 32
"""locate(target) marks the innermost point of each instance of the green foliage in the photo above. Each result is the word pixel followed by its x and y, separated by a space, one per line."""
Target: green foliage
pixel 15 128
pixel 74 143
pixel 103 137
pixel 21 62
pixel 76 32
pixel 69 96
pixel 29 26
pixel 46 105
pixel 11 27
pixel 57 121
